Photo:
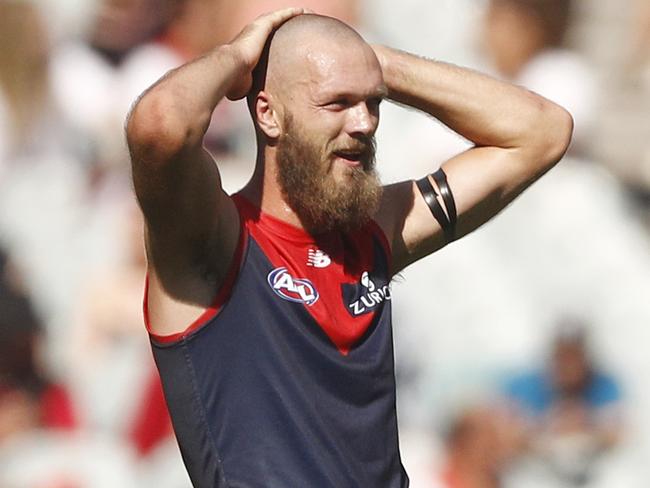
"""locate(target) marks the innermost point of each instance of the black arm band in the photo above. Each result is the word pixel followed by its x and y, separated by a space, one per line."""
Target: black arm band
pixel 446 220
pixel 430 197
pixel 447 196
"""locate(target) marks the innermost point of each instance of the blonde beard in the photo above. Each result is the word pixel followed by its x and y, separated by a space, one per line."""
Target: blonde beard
pixel 322 203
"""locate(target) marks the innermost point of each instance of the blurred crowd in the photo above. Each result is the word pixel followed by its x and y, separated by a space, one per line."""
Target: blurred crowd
pixel 520 350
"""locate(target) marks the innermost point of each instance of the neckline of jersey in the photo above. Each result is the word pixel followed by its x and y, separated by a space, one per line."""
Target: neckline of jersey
pixel 277 226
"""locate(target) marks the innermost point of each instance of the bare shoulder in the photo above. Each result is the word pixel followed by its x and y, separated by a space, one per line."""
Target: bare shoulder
pixel 409 228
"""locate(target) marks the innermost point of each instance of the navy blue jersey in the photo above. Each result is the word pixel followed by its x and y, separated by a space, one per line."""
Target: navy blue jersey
pixel 287 381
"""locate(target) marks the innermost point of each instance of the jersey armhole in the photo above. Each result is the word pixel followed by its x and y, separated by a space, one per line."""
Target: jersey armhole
pixel 383 240
pixel 219 301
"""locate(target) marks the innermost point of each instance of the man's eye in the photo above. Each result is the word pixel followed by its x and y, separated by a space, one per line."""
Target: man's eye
pixel 338 104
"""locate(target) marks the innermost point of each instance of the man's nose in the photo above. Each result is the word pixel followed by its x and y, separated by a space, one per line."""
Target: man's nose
pixel 361 120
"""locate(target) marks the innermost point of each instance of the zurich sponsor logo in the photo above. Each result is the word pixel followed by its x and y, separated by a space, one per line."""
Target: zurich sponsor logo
pixel 370 298
pixel 293 289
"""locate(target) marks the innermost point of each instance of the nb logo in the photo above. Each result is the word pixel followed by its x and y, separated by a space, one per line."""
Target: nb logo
pixel 318 259
pixel 293 289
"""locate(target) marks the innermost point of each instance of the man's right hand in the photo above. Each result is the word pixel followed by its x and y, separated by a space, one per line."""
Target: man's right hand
pixel 249 44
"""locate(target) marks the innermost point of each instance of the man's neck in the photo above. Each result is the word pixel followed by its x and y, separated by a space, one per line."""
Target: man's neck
pixel 264 191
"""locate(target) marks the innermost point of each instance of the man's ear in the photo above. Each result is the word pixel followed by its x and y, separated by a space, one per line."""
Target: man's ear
pixel 267 117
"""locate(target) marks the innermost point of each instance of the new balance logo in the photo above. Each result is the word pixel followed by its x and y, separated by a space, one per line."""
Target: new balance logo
pixel 293 289
pixel 318 259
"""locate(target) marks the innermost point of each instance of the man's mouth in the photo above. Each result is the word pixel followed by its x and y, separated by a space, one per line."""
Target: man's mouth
pixel 353 157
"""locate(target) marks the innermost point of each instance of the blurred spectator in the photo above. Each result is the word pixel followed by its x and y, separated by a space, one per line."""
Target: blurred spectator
pixel 88 77
pixel 23 69
pixel 644 58
pixel 524 40
pixel 24 90
pixel 42 181
pixel 639 61
pixel 472 454
pixel 110 360
pixel 478 448
pixel 637 175
pixel 616 37
pixel 571 409
pixel 28 399
pixel 121 25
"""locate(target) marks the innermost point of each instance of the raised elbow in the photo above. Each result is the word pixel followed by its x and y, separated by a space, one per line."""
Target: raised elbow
pixel 562 132
pixel 555 132
pixel 155 134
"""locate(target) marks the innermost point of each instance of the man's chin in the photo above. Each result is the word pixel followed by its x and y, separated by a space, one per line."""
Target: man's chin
pixel 348 163
pixel 345 172
pixel 339 196
pixel 344 177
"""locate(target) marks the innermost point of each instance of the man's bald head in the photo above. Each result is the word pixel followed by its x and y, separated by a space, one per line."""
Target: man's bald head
pixel 315 104
pixel 298 43
pixel 309 28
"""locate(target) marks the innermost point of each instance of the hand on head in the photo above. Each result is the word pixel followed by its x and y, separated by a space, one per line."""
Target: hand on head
pixel 249 45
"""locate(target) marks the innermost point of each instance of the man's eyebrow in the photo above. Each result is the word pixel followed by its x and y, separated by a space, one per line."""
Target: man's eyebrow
pixel 381 92
pixel 327 97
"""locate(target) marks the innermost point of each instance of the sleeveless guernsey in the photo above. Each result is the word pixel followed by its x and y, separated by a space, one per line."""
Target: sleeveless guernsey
pixel 287 381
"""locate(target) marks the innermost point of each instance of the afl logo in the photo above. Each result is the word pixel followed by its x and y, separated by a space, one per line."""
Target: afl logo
pixel 290 288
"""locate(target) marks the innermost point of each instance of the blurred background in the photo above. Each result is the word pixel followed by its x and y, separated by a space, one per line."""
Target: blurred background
pixel 522 350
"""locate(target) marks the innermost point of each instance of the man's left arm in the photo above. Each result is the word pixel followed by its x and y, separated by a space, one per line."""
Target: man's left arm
pixel 517 137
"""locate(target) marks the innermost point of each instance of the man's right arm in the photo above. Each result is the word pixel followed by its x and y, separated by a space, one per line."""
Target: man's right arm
pixel 192 226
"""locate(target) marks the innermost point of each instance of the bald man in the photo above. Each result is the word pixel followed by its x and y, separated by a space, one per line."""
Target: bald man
pixel 269 310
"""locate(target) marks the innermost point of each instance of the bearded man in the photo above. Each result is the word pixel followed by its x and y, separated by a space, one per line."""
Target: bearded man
pixel 269 310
